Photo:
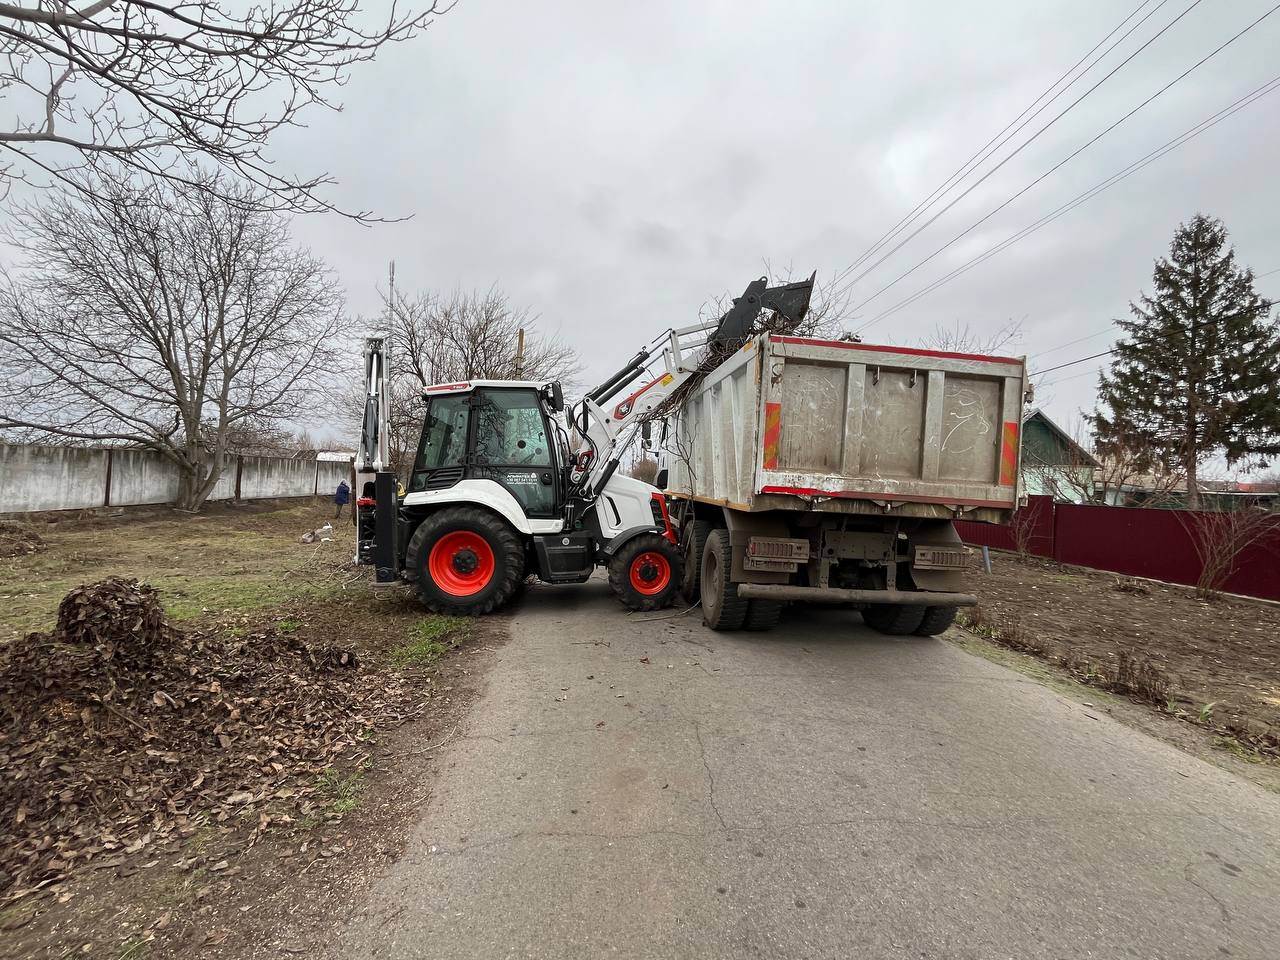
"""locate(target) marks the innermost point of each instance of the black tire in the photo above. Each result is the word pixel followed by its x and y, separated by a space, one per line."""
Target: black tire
pixel 507 559
pixel 936 620
pixel 694 542
pixel 762 615
pixel 722 608
pixel 895 619
pixel 636 569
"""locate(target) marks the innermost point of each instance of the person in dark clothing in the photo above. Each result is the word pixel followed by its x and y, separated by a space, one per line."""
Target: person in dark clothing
pixel 341 498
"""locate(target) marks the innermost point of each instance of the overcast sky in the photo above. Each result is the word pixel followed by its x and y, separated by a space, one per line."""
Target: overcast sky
pixel 614 166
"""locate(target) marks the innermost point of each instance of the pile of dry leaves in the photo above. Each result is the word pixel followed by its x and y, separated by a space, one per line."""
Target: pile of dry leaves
pixel 121 733
pixel 17 540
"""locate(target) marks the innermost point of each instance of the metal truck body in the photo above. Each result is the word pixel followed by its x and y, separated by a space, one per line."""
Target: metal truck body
pixel 836 468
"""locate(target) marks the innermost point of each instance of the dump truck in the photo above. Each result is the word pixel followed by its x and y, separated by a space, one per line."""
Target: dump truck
pixel 803 470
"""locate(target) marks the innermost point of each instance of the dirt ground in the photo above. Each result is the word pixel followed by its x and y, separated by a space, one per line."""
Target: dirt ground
pixel 230 891
pixel 1221 658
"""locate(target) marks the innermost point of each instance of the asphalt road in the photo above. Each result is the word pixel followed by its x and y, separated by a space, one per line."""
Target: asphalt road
pixel 653 789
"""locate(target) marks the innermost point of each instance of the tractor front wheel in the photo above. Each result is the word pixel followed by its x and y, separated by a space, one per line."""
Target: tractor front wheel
pixel 465 561
pixel 645 574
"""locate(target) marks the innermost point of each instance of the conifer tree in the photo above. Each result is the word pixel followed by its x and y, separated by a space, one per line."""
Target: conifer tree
pixel 1196 371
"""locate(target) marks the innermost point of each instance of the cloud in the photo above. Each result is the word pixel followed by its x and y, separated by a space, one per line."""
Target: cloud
pixel 616 166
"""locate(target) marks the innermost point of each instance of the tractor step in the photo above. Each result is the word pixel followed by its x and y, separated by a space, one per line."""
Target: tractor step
pixel 565 557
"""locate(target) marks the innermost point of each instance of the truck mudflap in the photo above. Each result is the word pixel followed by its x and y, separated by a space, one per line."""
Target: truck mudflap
pixel 780 591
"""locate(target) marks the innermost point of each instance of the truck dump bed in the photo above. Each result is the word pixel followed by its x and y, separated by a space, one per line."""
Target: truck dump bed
pixel 793 423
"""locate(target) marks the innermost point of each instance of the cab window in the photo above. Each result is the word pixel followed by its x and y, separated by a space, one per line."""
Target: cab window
pixel 444 437
pixel 511 448
pixel 510 430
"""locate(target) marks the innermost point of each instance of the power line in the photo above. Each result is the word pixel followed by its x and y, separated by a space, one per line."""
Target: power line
pixel 1070 157
pixel 1072 343
pixel 973 186
pixel 984 153
pixel 1123 174
pixel 1111 328
pixel 1058 380
pixel 1106 353
pixel 1072 363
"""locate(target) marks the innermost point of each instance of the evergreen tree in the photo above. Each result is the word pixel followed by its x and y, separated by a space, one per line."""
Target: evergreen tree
pixel 1197 368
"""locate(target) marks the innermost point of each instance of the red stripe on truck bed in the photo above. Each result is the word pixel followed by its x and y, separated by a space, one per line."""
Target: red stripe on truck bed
pixel 878 348
pixel 1009 454
pixel 772 434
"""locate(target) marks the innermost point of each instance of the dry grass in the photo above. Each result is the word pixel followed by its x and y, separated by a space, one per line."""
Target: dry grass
pixel 227 559
pixel 1132 675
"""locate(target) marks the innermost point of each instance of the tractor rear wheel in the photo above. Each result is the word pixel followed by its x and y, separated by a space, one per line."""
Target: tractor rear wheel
pixel 722 608
pixel 465 561
pixel 645 573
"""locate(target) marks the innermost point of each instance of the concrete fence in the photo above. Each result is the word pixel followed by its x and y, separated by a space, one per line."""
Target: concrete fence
pixel 34 478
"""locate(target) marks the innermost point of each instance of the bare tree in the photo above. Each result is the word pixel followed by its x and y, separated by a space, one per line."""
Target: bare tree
pixel 1268 481
pixel 1022 530
pixel 1219 537
pixel 161 316
pixel 459 337
pixel 1114 477
pixel 960 337
pixel 161 87
pixel 1130 468
pixel 644 468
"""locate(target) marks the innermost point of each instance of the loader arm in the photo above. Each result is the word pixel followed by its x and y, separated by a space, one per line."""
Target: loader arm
pixel 609 425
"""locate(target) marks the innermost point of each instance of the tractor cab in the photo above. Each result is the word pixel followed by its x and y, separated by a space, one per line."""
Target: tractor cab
pixel 495 493
pixel 507 432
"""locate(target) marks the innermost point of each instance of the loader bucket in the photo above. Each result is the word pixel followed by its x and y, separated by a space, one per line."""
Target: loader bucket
pixel 790 300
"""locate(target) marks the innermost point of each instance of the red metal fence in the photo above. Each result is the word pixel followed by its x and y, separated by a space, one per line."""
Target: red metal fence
pixel 1129 540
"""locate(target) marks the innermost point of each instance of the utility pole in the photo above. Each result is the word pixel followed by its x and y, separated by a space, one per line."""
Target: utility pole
pixel 520 354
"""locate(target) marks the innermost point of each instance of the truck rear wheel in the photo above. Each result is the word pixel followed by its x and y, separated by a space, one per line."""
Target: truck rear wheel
pixel 722 608
pixel 936 620
pixel 895 619
pixel 465 561
pixel 694 542
pixel 645 573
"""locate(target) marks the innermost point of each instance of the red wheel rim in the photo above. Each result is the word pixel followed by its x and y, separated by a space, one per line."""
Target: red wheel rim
pixel 461 563
pixel 650 573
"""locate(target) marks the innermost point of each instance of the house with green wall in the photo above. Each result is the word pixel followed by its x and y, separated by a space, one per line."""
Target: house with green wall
pixel 1053 464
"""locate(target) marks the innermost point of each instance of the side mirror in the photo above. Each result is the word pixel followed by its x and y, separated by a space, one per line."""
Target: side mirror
pixel 660 481
pixel 557 397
